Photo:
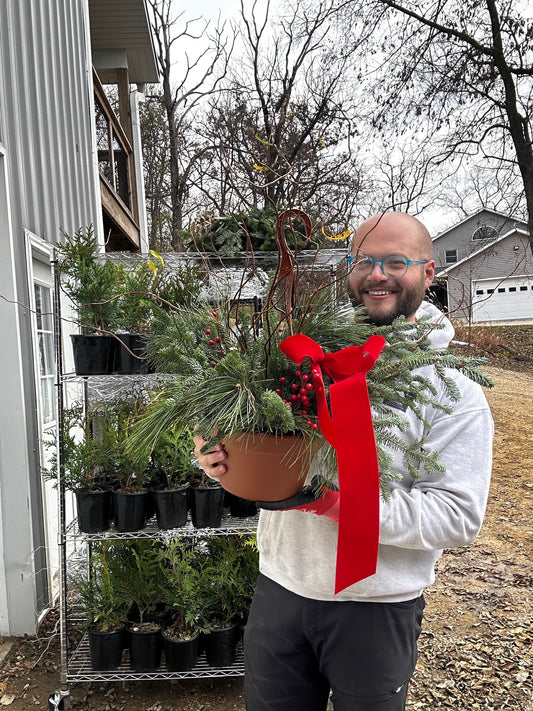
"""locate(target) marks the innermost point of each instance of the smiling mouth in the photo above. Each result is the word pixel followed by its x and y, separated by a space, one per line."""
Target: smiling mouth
pixel 379 292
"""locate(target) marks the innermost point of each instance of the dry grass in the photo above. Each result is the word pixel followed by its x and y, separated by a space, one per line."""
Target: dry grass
pixel 509 347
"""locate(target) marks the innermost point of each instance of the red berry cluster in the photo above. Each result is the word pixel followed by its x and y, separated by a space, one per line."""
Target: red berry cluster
pixel 297 395
pixel 214 342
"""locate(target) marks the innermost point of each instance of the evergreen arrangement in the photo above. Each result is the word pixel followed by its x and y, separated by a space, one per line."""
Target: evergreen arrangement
pixel 228 235
pixel 232 377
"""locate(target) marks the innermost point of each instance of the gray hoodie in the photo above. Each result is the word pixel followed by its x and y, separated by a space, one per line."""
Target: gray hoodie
pixel 421 518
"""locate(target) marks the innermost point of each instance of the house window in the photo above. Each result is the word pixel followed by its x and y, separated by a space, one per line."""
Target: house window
pixel 45 342
pixel 512 288
pixel 490 291
pixel 523 288
pixel 479 292
pixel 485 232
pixel 451 256
pixel 501 290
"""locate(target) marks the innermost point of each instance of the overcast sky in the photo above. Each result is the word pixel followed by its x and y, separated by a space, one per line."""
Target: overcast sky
pixel 208 8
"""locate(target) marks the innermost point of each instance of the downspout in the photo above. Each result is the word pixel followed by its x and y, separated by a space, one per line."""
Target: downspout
pixel 136 97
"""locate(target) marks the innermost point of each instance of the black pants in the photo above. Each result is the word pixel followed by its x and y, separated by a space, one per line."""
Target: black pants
pixel 297 649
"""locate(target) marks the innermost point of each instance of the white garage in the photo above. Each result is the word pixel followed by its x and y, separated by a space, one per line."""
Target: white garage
pixel 502 299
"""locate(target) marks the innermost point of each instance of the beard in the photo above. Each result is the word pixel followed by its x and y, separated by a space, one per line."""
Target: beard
pixel 406 304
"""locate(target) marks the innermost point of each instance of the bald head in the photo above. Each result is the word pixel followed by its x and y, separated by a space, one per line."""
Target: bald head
pixel 390 226
pixel 391 234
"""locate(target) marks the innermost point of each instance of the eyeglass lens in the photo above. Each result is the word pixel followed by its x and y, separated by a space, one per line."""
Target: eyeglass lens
pixel 392 267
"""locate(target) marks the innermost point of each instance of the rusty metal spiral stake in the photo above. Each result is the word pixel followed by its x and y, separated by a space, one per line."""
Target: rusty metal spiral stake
pixel 282 295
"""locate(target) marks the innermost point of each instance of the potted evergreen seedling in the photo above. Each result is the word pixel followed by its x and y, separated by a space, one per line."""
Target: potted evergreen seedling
pixel 135 303
pixel 225 587
pixel 91 282
pixel 206 501
pixel 139 579
pixel 144 289
pixel 84 463
pixel 130 496
pixel 172 463
pixel 239 507
pixel 105 606
pixel 247 563
pixel 182 596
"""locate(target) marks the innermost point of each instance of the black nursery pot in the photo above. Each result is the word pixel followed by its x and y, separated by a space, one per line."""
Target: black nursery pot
pixel 93 355
pixel 106 649
pixel 207 504
pixel 145 649
pixel 130 354
pixel 129 510
pixel 170 507
pixel 180 655
pixel 221 645
pixel 93 510
pixel 239 508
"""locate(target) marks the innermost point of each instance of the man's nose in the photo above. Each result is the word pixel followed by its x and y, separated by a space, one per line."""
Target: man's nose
pixel 377 273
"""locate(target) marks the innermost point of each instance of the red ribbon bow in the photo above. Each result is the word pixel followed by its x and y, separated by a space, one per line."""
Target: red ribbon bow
pixel 350 431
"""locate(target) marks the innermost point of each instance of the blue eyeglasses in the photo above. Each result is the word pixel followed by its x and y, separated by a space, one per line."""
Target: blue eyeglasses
pixel 393 267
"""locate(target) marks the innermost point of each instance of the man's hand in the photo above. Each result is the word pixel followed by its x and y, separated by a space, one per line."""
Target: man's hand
pixel 211 462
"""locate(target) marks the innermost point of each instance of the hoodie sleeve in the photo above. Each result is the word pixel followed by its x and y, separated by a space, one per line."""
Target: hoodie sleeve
pixel 446 510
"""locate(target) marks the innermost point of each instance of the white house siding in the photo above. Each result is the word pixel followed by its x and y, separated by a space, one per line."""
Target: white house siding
pixel 46 184
pixel 505 259
pixel 459 237
pixel 46 109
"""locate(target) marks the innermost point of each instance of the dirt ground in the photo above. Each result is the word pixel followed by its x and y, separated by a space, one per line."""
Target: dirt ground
pixel 477 641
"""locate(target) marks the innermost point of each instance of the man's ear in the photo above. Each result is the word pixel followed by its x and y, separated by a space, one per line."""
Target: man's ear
pixel 429 273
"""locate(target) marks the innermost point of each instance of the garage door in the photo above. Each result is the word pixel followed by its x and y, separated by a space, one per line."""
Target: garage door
pixel 508 299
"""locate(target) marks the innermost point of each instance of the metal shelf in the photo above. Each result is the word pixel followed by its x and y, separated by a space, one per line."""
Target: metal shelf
pixel 79 668
pixel 76 665
pixel 230 525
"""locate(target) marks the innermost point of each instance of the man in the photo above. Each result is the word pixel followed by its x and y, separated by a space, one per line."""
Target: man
pixel 303 641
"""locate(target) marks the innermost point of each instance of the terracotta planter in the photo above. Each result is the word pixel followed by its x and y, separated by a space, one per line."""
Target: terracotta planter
pixel 265 467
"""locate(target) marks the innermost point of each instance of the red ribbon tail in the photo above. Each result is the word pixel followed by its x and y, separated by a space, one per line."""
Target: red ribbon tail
pixel 358 536
pixel 350 430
